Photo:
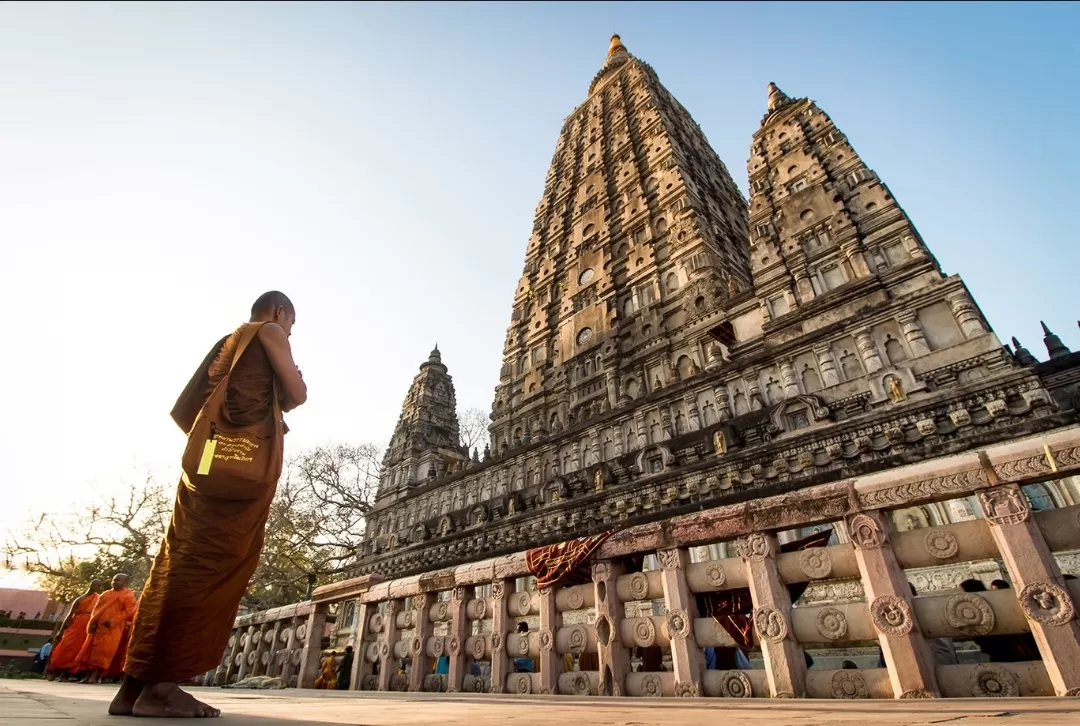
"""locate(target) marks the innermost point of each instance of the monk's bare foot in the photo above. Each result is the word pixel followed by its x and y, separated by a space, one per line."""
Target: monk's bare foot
pixel 124 700
pixel 166 700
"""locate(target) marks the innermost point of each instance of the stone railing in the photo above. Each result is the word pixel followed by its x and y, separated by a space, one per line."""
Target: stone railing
pixel 469 613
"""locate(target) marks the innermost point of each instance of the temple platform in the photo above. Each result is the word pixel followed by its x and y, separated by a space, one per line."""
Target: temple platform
pixel 37 703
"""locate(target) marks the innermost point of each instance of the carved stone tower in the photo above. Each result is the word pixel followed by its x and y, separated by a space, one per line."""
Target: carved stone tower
pixel 819 218
pixel 425 444
pixel 638 241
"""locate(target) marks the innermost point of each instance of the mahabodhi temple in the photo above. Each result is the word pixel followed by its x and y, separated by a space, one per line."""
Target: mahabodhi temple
pixel 771 431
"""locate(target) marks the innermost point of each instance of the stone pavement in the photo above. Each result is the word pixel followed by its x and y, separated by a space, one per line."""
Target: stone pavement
pixel 39 703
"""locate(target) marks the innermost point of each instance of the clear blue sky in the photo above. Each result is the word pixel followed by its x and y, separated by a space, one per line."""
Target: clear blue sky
pixel 161 165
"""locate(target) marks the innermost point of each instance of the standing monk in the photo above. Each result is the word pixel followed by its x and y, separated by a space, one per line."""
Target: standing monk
pixel 115 671
pixel 73 632
pixel 105 628
pixel 216 534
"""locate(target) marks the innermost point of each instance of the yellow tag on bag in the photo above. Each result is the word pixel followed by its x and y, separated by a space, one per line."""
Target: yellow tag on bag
pixel 207 457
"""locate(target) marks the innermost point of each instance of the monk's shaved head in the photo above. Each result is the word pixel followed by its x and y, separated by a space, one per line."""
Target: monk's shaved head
pixel 269 302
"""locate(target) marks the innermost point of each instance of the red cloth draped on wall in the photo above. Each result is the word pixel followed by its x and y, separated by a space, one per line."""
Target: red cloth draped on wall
pixel 563 563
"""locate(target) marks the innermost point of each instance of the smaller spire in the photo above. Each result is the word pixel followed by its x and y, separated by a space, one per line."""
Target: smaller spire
pixel 1023 355
pixel 1053 344
pixel 616 45
pixel 777 98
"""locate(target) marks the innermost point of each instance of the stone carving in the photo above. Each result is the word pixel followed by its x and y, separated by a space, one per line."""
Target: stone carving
pixel 547 641
pixel 902 494
pixel 579 684
pixel 644 633
pixel 575 598
pixel 926 426
pixel 1047 603
pixel 895 389
pixel 458 594
pixel 917 693
pixel 433 683
pixel 960 417
pixel 686 689
pixel 993 681
pixel 455 645
pixel 865 532
pixel 369 683
pixel 301 631
pixel 941 543
pixel 651 686
pixel 600 571
pixel 605 631
pixel 438 646
pixel 442 611
pixel 815 563
pixel 970 614
pixel 384 650
pixel 735 684
pixel 891 615
pixel 638 586
pixel 495 687
pixel 524 683
pixel 479 608
pixel 410 619
pixel 496 642
pixel 832 623
pixel 522 602
pixel 849 684
pixel 715 575
pixel 669 559
pixel 678 624
pixel 578 638
pixel 523 644
pixel 719 443
pixel 498 590
pixel 770 624
pixel 417 645
pixel 754 547
pixel 1005 505
pixel 477 647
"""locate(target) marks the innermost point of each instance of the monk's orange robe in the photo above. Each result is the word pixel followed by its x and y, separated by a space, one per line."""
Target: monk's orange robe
pixel 66 652
pixel 111 613
pixel 116 668
pixel 213 545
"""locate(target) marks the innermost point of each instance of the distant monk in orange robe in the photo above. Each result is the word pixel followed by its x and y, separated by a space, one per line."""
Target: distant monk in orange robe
pixel 105 629
pixel 73 633
pixel 213 543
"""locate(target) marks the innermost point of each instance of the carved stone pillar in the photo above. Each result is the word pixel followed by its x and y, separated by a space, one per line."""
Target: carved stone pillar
pixel 913 333
pixel 853 251
pixel 614 656
pixel 458 633
pixel 290 648
pixel 723 402
pixel 387 661
pixel 690 400
pixel 309 658
pixel 642 429
pixel 551 663
pixel 617 441
pixel 500 620
pixel 787 375
pixel 249 647
pixel 784 661
pixel 907 655
pixel 261 649
pixel 753 388
pixel 612 383
pixel 594 437
pixel 273 647
pixel 966 315
pixel 230 664
pixel 688 660
pixel 575 456
pixel 913 247
pixel 829 376
pixel 766 314
pixel 868 351
pixel 804 287
pixel 1043 593
pixel 360 643
pixel 418 648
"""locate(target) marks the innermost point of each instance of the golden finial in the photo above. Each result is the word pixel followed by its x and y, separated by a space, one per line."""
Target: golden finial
pixel 616 45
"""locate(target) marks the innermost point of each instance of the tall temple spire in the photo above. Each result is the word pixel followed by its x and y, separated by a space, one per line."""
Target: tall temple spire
pixel 1023 355
pixel 1053 343
pixel 616 46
